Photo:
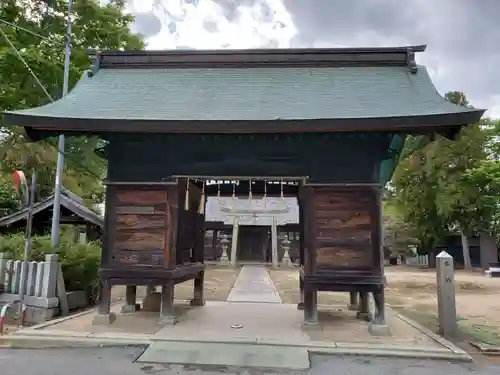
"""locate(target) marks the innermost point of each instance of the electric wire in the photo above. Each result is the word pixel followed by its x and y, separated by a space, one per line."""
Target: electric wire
pixel 39 83
pixel 30 32
pixel 25 64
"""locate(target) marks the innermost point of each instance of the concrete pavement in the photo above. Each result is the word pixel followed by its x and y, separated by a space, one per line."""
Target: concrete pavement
pixel 254 285
pixel 120 361
pixel 241 332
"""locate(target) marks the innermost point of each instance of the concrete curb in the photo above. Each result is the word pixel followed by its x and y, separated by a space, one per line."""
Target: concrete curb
pixel 486 349
pixel 440 340
pixel 50 342
pixel 32 339
pixel 414 354
pixel 72 316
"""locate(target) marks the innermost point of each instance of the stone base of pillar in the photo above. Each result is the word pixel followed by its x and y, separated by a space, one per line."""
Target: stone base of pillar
pixel 353 307
pixel 311 325
pixel 197 302
pixel 366 316
pixel 300 306
pixel 379 329
pixel 168 320
pixel 131 308
pixel 103 319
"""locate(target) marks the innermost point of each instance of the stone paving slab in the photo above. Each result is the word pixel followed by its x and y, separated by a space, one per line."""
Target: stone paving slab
pixel 254 285
pixel 215 354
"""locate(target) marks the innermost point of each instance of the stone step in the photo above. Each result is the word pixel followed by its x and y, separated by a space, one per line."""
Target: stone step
pixel 221 354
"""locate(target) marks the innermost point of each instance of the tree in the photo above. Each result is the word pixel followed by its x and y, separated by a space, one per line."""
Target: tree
pixel 9 200
pixel 415 195
pixel 399 236
pixel 481 186
pixel 430 189
pixel 95 26
pixel 460 203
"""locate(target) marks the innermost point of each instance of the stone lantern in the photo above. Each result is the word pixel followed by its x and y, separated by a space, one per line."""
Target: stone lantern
pixel 224 243
pixel 286 261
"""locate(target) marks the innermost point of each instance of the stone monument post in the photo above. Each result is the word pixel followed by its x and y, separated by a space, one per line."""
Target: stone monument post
pixel 447 311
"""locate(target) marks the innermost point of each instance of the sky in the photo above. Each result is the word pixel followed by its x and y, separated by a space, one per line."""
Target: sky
pixel 462 36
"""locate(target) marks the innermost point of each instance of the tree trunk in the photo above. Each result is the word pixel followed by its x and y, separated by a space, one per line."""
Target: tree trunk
pixel 431 255
pixel 466 250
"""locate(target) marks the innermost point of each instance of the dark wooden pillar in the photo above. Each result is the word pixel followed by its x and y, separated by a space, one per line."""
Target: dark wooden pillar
pixel 379 313
pixel 310 306
pixel 167 312
pixel 104 315
pixel 378 326
pixel 364 307
pixel 310 291
pixel 353 301
pixel 215 253
pixel 300 305
pixel 130 300
pixel 198 295
pixel 199 241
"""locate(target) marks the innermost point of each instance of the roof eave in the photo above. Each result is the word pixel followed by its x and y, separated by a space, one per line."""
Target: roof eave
pixel 37 126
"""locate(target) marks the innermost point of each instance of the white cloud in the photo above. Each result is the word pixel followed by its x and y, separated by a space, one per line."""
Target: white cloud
pixel 462 36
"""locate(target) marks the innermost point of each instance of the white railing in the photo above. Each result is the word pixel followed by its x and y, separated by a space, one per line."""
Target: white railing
pixel 418 260
pixel 44 287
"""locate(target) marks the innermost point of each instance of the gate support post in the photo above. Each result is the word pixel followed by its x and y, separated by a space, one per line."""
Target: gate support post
pixel 234 241
pixel 274 243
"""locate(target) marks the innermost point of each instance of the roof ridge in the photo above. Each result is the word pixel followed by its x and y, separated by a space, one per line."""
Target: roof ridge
pixel 313 57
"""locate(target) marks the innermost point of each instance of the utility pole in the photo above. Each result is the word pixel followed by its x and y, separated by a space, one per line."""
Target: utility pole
pixel 56 208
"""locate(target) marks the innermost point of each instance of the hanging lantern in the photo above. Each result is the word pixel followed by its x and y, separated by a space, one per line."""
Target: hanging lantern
pixel 201 209
pixel 21 185
pixel 186 201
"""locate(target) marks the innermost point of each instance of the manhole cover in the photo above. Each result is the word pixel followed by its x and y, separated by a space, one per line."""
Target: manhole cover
pixel 236 326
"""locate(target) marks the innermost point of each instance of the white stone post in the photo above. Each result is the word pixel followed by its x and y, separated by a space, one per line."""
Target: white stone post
pixel 234 242
pixel 16 276
pixel 274 243
pixel 31 283
pixel 41 270
pixel 4 258
pixel 50 276
pixel 447 311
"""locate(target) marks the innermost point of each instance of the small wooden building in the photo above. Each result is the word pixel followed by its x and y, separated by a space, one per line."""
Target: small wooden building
pixel 73 212
pixel 331 122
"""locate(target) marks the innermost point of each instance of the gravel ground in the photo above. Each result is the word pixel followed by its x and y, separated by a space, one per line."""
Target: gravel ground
pixel 120 361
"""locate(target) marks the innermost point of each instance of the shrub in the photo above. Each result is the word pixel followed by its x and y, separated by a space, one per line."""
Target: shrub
pixel 79 262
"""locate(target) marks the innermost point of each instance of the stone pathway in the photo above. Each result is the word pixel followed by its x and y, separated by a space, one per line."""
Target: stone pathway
pixel 254 285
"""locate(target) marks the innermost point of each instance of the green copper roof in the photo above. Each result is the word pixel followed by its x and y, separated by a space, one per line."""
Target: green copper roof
pixel 268 93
